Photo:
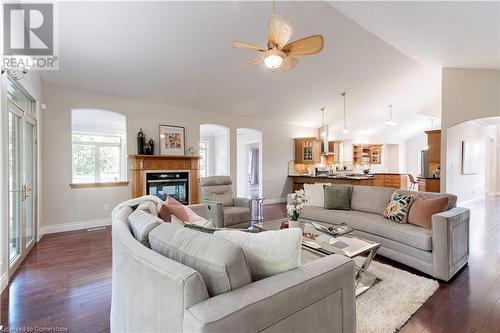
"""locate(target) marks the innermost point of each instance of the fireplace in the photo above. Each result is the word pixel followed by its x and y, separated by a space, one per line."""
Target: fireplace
pixel 172 184
pixel 145 171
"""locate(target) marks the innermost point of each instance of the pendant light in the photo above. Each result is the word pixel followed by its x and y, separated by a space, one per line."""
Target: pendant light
pixel 323 131
pixel 390 121
pixel 346 130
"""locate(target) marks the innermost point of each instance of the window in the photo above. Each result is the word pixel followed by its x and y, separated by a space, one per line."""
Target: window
pixel 99 146
pixel 204 158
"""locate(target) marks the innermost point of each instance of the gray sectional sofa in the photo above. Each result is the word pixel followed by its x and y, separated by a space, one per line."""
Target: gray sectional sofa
pixel 152 293
pixel 440 252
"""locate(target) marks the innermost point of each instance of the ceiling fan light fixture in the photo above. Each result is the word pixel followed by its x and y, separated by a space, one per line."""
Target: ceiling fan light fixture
pixel 273 59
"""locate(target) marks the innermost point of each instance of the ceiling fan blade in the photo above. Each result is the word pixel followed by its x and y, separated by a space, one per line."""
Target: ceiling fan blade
pixel 288 63
pixel 245 46
pixel 280 31
pixel 255 61
pixel 304 46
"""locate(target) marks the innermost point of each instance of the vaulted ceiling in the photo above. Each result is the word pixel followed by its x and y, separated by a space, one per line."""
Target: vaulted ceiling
pixel 177 53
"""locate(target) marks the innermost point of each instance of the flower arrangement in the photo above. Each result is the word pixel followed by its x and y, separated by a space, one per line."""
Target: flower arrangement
pixel 296 204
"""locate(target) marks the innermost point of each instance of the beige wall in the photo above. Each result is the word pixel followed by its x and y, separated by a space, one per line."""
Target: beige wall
pixel 84 207
pixel 467 94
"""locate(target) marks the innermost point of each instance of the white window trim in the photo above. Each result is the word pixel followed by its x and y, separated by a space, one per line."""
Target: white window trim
pixel 207 155
pixel 98 145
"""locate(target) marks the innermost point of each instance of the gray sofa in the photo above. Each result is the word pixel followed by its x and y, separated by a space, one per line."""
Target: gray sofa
pixel 224 209
pixel 152 293
pixel 440 252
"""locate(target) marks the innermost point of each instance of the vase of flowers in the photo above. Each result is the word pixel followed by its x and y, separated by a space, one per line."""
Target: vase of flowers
pixel 294 207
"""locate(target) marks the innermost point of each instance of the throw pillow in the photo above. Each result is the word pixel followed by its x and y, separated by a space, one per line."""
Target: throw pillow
pixel 269 252
pixel 141 223
pixel 422 209
pixel 315 195
pixel 173 207
pixel 197 219
pixel 398 208
pixel 338 197
pixel 148 206
pixel 221 263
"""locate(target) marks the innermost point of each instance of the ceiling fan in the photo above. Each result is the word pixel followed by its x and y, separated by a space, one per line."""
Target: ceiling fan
pixel 280 54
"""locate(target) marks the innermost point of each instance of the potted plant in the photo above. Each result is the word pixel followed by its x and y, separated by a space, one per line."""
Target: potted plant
pixel 294 207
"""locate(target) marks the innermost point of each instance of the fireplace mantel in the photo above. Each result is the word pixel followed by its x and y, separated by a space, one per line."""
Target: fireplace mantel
pixel 141 164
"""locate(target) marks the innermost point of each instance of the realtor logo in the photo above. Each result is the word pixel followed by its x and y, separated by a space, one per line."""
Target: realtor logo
pixel 29 36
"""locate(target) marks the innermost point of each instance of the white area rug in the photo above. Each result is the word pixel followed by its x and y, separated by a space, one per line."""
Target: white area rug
pixel 387 306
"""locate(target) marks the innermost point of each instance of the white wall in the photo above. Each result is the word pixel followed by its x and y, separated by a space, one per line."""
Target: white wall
pixel 466 187
pixel 221 153
pixel 492 160
pixel 32 84
pixel 63 205
pixel 414 147
pixel 346 151
pixel 467 94
pixel 392 158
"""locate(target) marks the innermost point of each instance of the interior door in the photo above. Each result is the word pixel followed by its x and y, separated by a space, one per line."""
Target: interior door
pixel 22 171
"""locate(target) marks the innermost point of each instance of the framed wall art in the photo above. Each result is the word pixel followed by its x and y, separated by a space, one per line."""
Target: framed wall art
pixel 172 140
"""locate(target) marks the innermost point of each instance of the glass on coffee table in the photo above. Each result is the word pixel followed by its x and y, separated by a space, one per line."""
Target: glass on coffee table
pixel 323 243
pixel 346 245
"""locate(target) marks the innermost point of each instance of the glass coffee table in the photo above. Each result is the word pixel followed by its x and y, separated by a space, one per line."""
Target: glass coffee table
pixel 323 244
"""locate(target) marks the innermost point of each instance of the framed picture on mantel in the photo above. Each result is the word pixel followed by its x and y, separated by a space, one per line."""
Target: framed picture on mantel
pixel 172 140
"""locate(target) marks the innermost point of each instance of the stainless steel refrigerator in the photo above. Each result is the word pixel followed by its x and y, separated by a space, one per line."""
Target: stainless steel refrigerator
pixel 424 163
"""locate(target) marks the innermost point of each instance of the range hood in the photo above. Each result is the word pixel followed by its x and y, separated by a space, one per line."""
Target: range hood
pixel 323 136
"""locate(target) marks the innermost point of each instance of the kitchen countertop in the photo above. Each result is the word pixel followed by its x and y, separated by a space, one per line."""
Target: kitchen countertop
pixel 360 177
pixel 429 178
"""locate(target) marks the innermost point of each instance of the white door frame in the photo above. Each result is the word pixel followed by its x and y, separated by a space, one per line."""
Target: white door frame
pixel 9 268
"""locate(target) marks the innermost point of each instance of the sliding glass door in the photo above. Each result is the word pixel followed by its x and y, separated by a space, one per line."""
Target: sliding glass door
pixel 22 171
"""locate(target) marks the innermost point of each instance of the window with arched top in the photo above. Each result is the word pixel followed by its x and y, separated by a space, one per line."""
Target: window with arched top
pixel 98 146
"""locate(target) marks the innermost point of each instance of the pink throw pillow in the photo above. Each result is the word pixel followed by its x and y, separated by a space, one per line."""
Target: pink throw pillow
pixel 173 207
pixel 422 209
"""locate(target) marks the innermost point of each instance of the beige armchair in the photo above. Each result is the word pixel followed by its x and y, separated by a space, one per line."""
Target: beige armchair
pixel 223 208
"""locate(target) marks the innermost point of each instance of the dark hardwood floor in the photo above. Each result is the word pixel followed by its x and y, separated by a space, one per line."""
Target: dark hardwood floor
pixel 65 283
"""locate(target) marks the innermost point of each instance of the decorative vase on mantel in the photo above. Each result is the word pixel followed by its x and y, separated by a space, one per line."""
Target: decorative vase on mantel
pixel 151 146
pixel 141 140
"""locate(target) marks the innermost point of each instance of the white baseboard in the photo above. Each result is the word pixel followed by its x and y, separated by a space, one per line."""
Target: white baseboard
pixel 4 281
pixel 52 229
pixel 470 202
pixel 274 201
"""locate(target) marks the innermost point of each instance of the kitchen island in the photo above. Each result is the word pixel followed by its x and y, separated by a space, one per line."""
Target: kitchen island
pixel 428 184
pixel 300 180
pixel 394 180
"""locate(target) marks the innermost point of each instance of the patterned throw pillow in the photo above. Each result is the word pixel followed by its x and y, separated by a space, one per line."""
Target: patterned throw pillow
pixel 398 208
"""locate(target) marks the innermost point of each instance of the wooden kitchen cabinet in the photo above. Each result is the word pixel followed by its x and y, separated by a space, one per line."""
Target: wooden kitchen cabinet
pixel 434 150
pixel 375 154
pixel 429 185
pixel 307 150
pixel 379 180
pixel 392 180
pixel 366 154
pixel 434 145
